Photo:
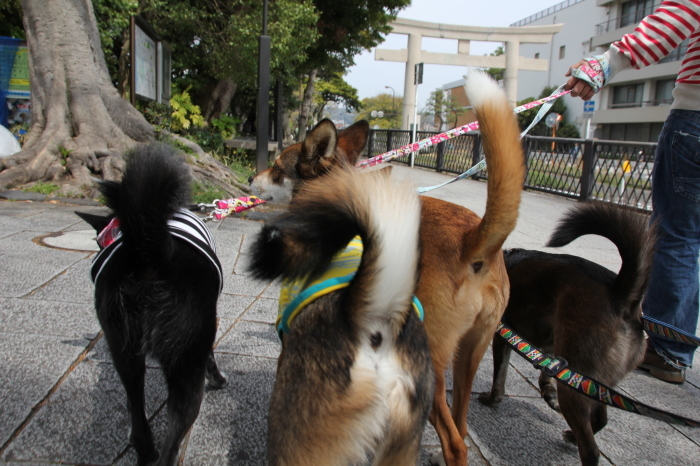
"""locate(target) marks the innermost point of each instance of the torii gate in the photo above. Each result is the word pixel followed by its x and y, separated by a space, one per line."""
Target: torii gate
pixel 511 61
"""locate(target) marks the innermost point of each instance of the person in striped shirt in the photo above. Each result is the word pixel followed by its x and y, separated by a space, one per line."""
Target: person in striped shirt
pixel 673 293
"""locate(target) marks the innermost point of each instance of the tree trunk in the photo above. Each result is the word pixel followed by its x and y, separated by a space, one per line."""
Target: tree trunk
pixel 306 106
pixel 220 99
pixel 123 78
pixel 80 124
pixel 318 112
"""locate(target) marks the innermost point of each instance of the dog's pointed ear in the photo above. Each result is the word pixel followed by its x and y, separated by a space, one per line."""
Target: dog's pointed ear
pixel 321 142
pixel 353 139
pixel 98 222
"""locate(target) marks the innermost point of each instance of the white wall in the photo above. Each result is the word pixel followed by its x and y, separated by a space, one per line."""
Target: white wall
pixel 579 26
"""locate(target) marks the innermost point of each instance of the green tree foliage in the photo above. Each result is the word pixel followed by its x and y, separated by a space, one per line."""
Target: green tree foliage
pixel 11 19
pixel 444 106
pixel 541 129
pixel 185 113
pixel 496 73
pixel 113 17
pixel 347 28
pixel 216 40
pixel 387 104
pixel 336 90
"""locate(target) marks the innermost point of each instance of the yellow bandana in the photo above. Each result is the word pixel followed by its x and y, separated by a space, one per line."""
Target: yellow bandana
pixel 296 294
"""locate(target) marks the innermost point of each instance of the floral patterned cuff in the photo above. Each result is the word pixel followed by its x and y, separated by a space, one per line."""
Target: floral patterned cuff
pixel 595 72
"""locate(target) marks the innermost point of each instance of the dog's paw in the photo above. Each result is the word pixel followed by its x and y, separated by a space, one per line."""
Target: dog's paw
pixel 553 402
pixel 489 399
pixel 569 437
pixel 216 382
pixel 437 458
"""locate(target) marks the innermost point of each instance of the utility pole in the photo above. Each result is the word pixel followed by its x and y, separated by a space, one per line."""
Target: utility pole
pixel 263 121
pixel 417 79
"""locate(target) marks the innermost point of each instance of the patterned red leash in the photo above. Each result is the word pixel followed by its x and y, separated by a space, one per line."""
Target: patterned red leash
pixel 447 135
pixel 225 207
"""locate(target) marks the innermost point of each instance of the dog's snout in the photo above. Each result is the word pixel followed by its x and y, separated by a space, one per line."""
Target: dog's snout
pixel 250 178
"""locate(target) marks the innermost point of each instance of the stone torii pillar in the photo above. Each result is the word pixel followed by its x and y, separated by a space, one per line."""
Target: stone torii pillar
pixel 512 61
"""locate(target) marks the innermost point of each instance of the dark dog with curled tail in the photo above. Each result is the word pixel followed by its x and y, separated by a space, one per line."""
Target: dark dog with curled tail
pixel 576 309
pixel 157 282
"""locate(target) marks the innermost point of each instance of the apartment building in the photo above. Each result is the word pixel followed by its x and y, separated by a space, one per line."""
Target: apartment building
pixel 634 105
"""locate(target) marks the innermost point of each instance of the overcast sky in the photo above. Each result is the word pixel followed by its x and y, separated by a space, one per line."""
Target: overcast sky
pixel 370 77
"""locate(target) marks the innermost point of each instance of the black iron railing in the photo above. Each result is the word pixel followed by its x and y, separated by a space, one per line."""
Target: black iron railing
pixel 611 171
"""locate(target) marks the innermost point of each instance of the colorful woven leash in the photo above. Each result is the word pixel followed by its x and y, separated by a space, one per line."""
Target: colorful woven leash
pixel 669 332
pixel 558 368
pixel 225 207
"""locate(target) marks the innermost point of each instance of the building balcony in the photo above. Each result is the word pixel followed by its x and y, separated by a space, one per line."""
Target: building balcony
pixel 641 112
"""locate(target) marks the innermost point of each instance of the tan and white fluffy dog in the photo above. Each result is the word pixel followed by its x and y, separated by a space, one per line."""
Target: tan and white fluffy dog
pixel 354 379
pixel 463 287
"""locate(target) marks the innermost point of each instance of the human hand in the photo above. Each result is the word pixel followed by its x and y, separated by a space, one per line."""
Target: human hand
pixel 587 76
pixel 578 87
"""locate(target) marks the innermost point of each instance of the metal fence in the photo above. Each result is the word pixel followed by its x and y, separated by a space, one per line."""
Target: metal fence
pixel 611 171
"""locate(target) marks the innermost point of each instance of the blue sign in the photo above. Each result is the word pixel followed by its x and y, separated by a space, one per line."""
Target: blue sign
pixel 589 106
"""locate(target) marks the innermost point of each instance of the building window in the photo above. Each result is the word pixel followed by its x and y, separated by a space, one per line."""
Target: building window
pixel 562 51
pixel 627 95
pixel 664 91
pixel 638 132
pixel 537 55
pixel 633 12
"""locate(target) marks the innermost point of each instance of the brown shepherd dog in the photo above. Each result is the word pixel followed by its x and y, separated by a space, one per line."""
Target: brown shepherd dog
pixel 463 286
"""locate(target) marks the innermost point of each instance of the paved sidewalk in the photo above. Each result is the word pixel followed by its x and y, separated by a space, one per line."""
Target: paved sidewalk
pixel 63 403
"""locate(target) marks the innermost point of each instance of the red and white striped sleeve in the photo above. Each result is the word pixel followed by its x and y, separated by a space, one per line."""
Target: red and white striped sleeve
pixel 661 32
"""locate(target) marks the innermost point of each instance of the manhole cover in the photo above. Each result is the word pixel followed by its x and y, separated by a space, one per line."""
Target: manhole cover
pixel 80 240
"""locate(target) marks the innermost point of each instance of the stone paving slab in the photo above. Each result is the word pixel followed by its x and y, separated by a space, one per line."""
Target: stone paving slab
pixel 26 265
pixel 61 407
pixel 86 420
pixel 31 366
pixel 231 427
pixel 68 286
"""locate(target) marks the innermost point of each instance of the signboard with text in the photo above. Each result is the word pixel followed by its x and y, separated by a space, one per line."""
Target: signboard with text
pixel 145 64
pixel 150 63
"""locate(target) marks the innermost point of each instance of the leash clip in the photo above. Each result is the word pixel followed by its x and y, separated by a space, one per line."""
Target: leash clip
pixel 552 366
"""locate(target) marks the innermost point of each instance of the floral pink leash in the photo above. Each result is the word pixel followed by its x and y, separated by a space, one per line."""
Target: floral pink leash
pixel 546 103
pixel 224 208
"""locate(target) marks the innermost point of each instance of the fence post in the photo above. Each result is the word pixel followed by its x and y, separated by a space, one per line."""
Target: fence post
pixel 588 170
pixel 476 152
pixel 388 140
pixel 440 156
pixel 525 144
pixel 370 143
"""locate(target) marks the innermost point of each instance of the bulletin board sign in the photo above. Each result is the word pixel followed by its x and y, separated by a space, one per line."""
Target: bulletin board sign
pixel 144 60
pixel 150 63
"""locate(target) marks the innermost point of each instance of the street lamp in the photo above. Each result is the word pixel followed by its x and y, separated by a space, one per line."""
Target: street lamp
pixel 393 97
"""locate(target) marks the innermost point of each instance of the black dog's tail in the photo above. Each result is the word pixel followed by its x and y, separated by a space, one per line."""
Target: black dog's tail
pixel 628 230
pixel 156 183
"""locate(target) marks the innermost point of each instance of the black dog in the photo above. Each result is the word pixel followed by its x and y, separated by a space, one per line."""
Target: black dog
pixel 157 281
pixel 581 311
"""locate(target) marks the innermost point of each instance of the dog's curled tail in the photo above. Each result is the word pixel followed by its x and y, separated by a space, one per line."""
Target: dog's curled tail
pixel 505 162
pixel 322 219
pixel 629 231
pixel 156 183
